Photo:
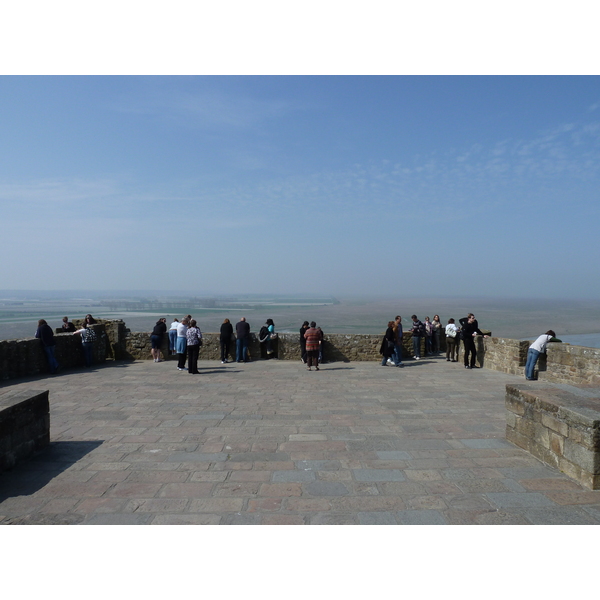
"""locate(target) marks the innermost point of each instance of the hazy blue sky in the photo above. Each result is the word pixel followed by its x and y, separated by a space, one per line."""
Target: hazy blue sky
pixel 392 185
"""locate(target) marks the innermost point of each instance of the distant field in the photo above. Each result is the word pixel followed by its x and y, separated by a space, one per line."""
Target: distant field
pixel 505 318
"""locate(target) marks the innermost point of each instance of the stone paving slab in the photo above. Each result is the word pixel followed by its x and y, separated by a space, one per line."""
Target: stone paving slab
pixel 270 443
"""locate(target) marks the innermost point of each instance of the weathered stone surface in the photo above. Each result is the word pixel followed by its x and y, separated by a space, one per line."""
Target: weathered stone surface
pixel 24 425
pixel 559 428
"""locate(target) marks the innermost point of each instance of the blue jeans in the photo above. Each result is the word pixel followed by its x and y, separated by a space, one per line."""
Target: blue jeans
pixel 428 345
pixel 241 349
pixel 416 346
pixel 52 362
pixel 532 358
pixel 172 339
pixel 397 356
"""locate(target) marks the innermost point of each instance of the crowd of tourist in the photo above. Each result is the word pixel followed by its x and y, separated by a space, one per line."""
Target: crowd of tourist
pixel 430 333
pixel 185 341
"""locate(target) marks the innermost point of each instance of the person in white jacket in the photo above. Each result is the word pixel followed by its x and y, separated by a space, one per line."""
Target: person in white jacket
pixel 451 341
pixel 534 352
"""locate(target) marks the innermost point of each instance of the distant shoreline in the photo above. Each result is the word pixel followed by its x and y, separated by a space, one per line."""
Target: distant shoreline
pixel 573 321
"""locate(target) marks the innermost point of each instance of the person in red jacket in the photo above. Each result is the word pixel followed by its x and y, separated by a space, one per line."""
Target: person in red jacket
pixel 313 342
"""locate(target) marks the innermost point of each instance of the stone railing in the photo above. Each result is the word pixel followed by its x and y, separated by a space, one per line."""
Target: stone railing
pixel 24 425
pixel 570 364
pixel 563 364
pixel 560 428
pixel 22 358
pixel 336 347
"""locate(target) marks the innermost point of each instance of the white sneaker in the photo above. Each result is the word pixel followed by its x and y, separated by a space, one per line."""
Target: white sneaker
pixel 390 363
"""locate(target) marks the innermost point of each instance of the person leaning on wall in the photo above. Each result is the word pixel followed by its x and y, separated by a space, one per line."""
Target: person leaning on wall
pixel 533 353
pixel 156 338
pixel 88 337
pixel 225 338
pixel 67 326
pixel 46 336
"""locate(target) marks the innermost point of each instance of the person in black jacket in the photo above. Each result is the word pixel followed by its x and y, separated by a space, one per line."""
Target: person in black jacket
pixel 45 334
pixel 156 338
pixel 388 345
pixel 470 329
pixel 418 332
pixel 242 330
pixel 225 339
pixel 67 326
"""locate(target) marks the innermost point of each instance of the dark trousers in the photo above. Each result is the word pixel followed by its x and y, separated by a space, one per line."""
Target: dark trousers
pixel 451 348
pixel 88 352
pixel 303 351
pixel 312 358
pixel 181 360
pixel 193 352
pixel 241 349
pixel 224 350
pixel 469 348
pixel 52 362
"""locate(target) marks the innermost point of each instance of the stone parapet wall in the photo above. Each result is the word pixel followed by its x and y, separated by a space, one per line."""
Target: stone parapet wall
pixel 24 425
pixel 563 363
pixel 559 428
pixel 22 358
pixel 336 347
pixel 570 364
pixel 501 354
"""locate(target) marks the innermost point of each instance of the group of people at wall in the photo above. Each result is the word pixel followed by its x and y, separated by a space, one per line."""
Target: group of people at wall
pixel 185 340
pixel 431 332
pixel 46 336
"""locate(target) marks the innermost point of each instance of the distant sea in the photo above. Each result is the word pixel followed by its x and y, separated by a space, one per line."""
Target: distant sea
pixel 589 340
pixel 574 321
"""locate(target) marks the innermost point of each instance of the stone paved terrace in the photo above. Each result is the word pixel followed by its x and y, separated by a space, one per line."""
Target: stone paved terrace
pixel 270 443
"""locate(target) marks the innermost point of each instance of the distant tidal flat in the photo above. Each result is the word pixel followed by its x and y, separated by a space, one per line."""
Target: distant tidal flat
pixel 589 340
pixel 575 322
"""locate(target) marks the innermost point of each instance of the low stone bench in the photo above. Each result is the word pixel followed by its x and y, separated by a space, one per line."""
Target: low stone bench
pixel 24 425
pixel 560 428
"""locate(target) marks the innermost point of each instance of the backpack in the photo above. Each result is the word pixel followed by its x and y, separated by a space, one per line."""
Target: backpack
pixel 89 335
pixel 263 334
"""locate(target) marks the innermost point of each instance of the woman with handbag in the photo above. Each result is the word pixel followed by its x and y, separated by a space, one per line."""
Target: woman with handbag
pixel 194 341
pixel 451 341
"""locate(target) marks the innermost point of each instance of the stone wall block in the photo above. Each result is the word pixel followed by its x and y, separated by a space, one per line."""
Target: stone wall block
pixel 556 443
pixel 512 435
pixel 575 453
pixel 582 416
pixel 583 436
pixel 511 419
pixel 24 425
pixel 541 435
pixel 572 470
pixel 548 420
